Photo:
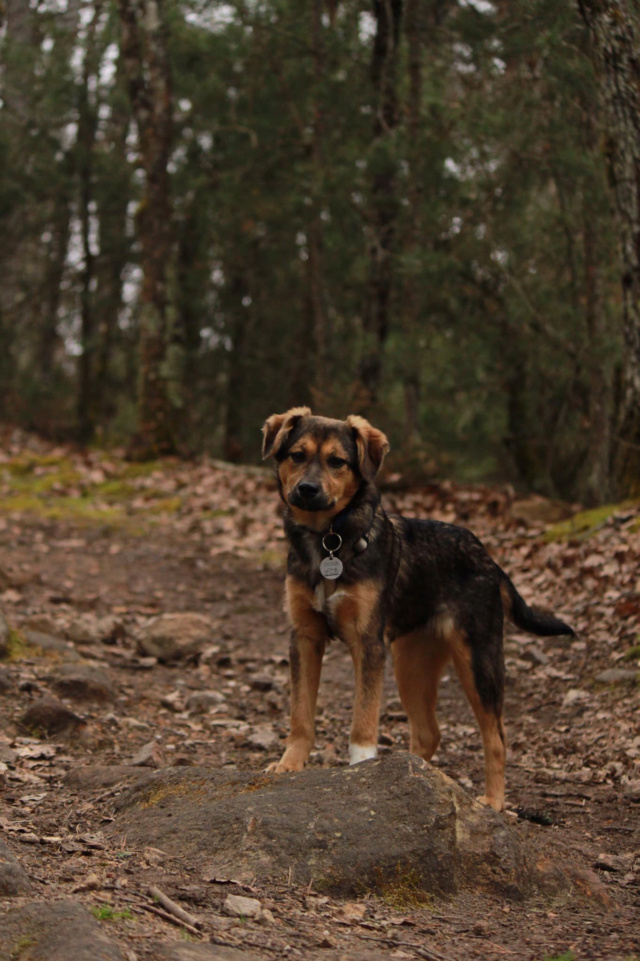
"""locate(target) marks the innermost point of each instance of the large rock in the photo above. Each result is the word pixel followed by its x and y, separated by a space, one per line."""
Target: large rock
pixel 175 637
pixel 383 823
pixel 55 931
pixel 13 879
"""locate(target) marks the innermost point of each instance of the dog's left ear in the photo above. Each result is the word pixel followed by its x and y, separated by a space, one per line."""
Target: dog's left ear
pixel 276 428
pixel 372 445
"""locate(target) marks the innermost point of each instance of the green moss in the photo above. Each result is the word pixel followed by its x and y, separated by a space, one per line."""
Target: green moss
pixel 633 654
pixel 582 525
pixel 168 505
pixel 18 648
pixel 27 463
pixel 21 946
pixel 404 890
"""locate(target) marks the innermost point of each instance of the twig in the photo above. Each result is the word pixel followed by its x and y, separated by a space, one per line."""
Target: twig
pixel 174 908
pixel 170 917
pixel 427 953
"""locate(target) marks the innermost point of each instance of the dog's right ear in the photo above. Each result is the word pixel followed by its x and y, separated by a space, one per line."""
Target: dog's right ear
pixel 276 428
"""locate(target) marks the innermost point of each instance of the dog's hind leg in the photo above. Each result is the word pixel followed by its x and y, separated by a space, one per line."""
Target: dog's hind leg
pixel 480 667
pixel 418 662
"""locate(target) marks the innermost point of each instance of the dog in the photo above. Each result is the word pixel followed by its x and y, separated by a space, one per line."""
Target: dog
pixel 427 589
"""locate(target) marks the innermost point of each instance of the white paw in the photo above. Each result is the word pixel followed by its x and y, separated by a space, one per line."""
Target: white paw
pixel 361 752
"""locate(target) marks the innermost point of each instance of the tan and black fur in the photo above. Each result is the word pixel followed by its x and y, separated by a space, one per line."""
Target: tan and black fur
pixel 427 589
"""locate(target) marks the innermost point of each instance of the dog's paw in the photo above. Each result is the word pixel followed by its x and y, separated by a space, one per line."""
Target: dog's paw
pixel 284 766
pixel 497 805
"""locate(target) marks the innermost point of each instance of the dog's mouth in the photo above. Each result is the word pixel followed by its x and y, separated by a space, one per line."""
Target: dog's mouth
pixel 316 502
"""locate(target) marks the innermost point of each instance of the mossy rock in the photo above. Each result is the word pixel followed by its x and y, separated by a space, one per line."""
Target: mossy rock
pixel 582 525
pixel 393 826
pixel 54 931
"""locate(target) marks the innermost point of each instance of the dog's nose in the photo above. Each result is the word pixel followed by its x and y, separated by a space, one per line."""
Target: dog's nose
pixel 307 491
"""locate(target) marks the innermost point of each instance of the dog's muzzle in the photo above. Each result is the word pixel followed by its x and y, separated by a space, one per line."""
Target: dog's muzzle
pixel 309 497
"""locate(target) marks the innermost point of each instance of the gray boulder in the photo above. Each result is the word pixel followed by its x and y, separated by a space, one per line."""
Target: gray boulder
pixel 13 879
pixel 389 822
pixel 54 931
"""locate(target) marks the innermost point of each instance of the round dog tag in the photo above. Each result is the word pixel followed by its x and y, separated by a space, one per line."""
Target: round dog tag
pixel 331 568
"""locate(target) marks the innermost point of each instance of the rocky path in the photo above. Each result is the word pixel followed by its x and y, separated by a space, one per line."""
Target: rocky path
pixel 150 644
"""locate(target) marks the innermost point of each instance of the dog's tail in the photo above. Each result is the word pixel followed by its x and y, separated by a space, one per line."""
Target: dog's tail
pixel 528 618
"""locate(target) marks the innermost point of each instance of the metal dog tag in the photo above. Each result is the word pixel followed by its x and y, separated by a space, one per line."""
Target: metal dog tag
pixel 331 568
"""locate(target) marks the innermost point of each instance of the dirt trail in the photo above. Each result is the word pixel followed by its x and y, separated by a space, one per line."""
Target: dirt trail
pixel 90 587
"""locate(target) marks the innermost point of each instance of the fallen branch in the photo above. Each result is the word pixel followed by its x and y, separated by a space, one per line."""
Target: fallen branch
pixel 171 918
pixel 174 908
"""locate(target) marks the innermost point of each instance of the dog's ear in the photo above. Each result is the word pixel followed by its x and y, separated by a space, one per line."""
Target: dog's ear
pixel 276 428
pixel 372 445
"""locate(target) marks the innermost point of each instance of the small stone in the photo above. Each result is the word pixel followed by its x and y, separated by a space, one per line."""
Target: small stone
pixel 13 879
pixel 89 629
pixel 48 642
pixel 7 755
pixel 574 696
pixel 173 701
pixel 261 682
pixel 5 681
pixel 202 701
pixel 617 675
pixel 48 716
pixel 175 637
pixel 614 862
pixel 82 682
pixel 239 907
pixel 352 912
pixel 536 655
pixel 263 738
pixel 149 755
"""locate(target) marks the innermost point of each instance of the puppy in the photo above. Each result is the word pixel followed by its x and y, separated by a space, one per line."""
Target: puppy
pixel 427 589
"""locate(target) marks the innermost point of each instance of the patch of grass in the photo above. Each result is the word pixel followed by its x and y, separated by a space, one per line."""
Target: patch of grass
pixel 403 891
pixel 104 912
pixel 567 956
pixel 633 654
pixel 27 463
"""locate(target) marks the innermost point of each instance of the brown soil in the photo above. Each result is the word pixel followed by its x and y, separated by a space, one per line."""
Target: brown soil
pixel 573 767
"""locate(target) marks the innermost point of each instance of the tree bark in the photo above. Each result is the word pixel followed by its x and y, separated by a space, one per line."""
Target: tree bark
pixel 315 262
pixel 615 43
pixel 375 319
pixel 87 124
pixel 146 63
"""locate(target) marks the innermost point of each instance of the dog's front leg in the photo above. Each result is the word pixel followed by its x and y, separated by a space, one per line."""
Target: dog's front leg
pixel 308 641
pixel 368 654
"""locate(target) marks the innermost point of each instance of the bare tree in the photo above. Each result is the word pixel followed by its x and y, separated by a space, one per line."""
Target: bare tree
pixel 615 43
pixel 146 63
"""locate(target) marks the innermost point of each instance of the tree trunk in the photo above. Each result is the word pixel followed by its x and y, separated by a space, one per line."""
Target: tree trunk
pixel 615 42
pixel 315 262
pixel 87 123
pixel 146 62
pixel 375 319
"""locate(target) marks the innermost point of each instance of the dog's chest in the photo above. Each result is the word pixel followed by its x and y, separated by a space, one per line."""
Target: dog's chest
pixel 326 598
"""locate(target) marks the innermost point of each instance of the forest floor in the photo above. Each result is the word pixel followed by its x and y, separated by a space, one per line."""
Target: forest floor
pixel 92 548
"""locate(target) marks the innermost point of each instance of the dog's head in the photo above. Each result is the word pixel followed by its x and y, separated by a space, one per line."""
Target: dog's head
pixel 321 463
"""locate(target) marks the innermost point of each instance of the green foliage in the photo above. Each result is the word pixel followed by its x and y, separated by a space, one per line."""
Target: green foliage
pixel 504 305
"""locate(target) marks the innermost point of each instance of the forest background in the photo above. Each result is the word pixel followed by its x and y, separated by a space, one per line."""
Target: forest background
pixel 419 210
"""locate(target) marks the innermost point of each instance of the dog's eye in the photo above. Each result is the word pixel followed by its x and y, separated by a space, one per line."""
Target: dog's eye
pixel 336 461
pixel 297 456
